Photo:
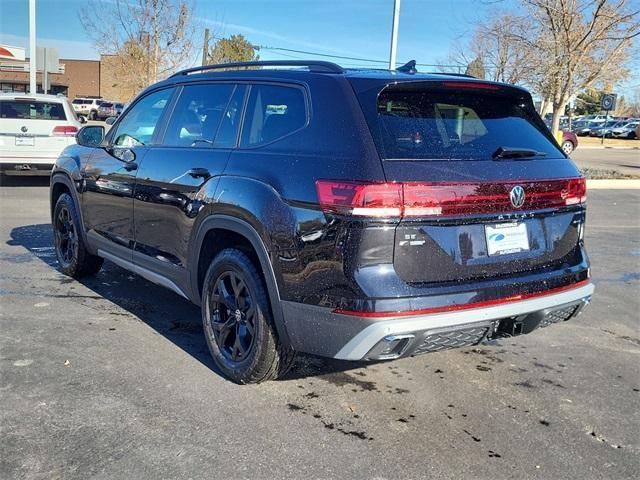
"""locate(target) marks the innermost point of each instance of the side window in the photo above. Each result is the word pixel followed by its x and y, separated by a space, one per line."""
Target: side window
pixel 138 125
pixel 197 115
pixel 228 129
pixel 273 111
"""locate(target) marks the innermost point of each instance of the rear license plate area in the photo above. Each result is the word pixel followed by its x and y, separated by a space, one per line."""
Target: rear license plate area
pixel 25 141
pixel 506 238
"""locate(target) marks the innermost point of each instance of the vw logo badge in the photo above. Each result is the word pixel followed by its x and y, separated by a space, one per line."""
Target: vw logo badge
pixel 517 196
pixel 24 129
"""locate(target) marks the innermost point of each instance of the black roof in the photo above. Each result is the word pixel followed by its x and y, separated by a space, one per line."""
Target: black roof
pixel 305 70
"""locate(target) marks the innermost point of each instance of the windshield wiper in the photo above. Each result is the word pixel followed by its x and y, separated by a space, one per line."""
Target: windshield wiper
pixel 503 153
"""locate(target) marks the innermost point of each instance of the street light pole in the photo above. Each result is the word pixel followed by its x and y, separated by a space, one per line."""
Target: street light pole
pixel 32 46
pixel 394 35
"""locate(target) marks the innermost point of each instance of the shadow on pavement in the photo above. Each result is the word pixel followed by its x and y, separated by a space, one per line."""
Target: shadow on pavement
pixel 174 317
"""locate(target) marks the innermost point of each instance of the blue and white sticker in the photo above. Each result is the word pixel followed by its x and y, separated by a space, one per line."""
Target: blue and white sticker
pixel 504 238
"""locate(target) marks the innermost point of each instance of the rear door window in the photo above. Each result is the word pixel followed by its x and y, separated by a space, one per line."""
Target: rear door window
pixel 454 125
pixel 197 115
pixel 273 112
pixel 31 110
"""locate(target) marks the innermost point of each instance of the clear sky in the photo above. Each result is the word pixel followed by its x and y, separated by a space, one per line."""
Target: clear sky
pixel 358 28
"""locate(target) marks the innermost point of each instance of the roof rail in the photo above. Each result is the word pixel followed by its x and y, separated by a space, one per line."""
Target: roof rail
pixel 312 65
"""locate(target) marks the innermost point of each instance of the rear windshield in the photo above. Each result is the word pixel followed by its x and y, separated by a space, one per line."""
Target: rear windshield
pixel 106 104
pixel 454 125
pixel 31 110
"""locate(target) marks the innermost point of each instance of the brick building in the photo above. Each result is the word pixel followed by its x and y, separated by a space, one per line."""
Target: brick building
pixel 81 78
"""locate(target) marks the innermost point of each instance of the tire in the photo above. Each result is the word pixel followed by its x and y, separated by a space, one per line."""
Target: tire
pixel 567 147
pixel 237 321
pixel 73 258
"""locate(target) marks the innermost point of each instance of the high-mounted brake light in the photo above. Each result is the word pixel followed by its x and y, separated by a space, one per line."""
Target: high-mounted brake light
pixel 66 130
pixel 441 199
pixel 481 85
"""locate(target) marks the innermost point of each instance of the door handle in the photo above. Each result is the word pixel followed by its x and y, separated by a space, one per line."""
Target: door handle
pixel 199 173
pixel 130 167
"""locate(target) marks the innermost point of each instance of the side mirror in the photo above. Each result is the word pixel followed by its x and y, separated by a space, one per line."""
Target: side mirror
pixel 82 119
pixel 110 120
pixel 90 136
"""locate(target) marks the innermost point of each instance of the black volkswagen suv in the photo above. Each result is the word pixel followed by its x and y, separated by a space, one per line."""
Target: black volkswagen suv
pixel 354 214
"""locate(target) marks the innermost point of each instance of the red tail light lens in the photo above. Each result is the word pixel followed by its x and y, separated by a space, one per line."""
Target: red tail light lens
pixel 65 130
pixel 370 200
pixel 447 199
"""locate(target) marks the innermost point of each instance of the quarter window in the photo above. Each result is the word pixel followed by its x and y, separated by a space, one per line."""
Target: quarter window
pixel 273 111
pixel 197 115
pixel 140 122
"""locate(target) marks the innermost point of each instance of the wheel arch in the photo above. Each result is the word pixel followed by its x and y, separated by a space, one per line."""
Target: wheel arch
pixel 61 183
pixel 247 237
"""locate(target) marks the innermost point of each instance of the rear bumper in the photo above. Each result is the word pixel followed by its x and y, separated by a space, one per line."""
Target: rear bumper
pixel 27 166
pixel 320 331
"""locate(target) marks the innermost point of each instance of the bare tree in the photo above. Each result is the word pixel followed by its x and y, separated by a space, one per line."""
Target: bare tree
pixel 574 44
pixel 557 48
pixel 496 44
pixel 150 38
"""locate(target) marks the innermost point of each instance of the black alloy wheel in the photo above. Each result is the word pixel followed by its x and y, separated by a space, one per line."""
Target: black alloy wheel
pixel 238 322
pixel 66 237
pixel 233 317
pixel 73 257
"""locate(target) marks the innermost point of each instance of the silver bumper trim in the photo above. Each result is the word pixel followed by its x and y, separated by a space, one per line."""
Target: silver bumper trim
pixel 364 341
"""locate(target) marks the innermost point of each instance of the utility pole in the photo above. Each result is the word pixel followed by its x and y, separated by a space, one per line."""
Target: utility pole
pixel 394 35
pixel 32 47
pixel 205 47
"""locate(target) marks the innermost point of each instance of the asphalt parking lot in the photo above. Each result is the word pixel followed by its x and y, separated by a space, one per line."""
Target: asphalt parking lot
pixel 111 378
pixel 623 160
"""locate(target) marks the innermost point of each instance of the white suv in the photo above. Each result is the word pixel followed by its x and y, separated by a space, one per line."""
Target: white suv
pixel 34 129
pixel 87 107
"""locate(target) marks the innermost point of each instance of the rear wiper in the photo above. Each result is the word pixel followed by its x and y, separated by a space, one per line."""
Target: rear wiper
pixel 511 152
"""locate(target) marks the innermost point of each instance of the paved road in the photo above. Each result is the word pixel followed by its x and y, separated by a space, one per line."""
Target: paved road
pixel 110 378
pixel 626 161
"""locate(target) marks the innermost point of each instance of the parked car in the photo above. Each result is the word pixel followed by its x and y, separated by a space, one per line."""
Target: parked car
pixel 584 129
pixel 34 129
pixel 109 109
pixel 569 142
pixel 86 107
pixel 605 128
pixel 629 131
pixel 355 214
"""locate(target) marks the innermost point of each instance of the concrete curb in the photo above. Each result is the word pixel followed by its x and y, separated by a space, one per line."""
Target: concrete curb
pixel 613 184
pixel 604 147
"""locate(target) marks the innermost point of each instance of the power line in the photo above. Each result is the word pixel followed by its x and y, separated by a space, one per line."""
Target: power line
pixel 327 55
pixel 342 57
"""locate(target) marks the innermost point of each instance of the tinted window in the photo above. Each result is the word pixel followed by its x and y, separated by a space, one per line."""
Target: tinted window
pixel 106 104
pixel 138 125
pixel 455 125
pixel 197 114
pixel 273 111
pixel 31 110
pixel 228 129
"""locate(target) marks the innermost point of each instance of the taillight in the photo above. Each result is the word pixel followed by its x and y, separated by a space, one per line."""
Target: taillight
pixel 438 199
pixel 576 191
pixel 371 200
pixel 67 130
